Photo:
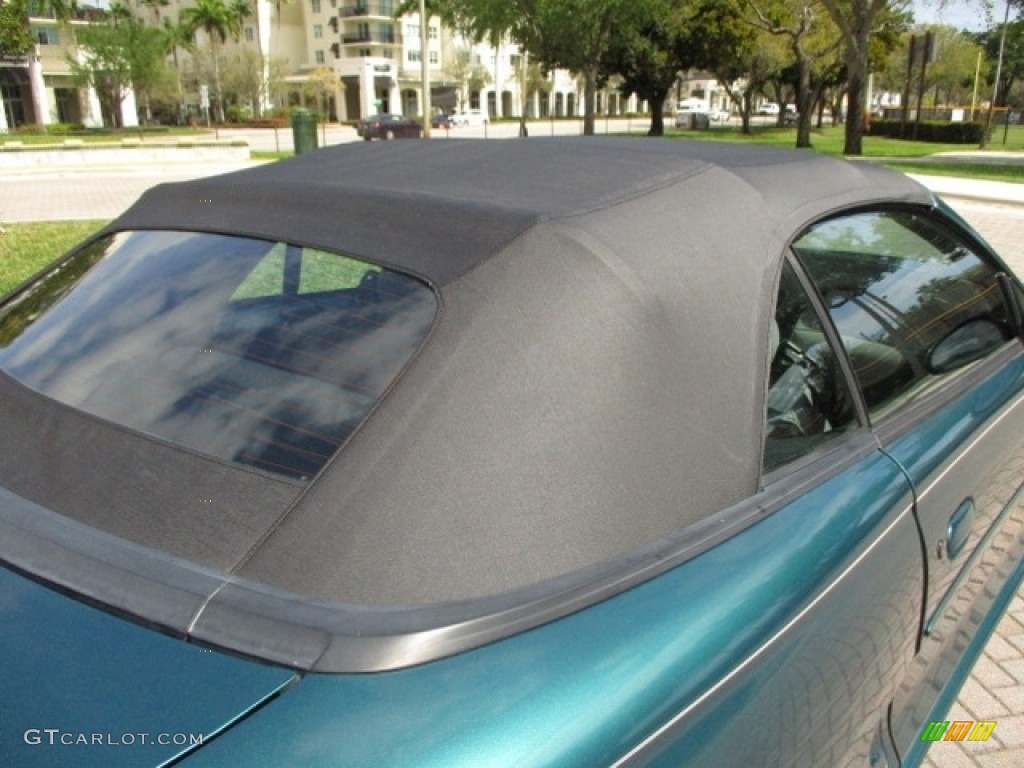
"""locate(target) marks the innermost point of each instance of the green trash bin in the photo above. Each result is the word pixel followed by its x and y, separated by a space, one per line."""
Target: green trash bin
pixel 303 131
pixel 700 121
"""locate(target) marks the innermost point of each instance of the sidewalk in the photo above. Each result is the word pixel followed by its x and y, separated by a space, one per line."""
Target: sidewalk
pixel 973 189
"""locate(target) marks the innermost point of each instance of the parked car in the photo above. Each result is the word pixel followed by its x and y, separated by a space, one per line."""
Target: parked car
pixel 469 117
pixel 388 126
pixel 768 108
pixel 324 463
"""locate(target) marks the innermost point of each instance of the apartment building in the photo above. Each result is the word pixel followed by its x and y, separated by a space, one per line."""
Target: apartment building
pixel 39 88
pixel 375 56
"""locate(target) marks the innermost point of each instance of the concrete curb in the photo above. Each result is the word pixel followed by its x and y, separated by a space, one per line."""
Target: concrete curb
pixel 128 152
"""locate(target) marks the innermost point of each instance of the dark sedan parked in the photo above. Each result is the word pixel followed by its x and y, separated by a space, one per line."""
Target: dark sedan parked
pixel 387 126
pixel 622 452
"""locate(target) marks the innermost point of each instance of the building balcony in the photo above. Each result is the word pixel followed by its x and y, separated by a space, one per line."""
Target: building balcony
pixel 370 38
pixel 382 10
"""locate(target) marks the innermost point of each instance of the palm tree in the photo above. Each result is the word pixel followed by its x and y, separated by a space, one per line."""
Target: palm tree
pixel 218 22
pixel 238 12
pixel 177 36
pixel 118 12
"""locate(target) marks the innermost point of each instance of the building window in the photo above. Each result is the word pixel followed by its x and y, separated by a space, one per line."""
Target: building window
pixel 412 56
pixel 433 57
pixel 318 57
pixel 46 35
pixel 316 6
pixel 432 33
pixel 412 30
pixel 249 35
pixel 387 8
pixel 365 52
pixel 318 31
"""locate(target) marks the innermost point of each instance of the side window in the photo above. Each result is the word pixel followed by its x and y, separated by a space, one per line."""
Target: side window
pixel 911 303
pixel 808 401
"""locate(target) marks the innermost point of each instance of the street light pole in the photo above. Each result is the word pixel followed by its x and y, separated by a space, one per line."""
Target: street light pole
pixel 425 69
pixel 995 87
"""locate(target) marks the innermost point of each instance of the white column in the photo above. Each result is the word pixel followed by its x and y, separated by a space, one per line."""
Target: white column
pixel 367 89
pixel 38 87
pixel 264 30
pixel 395 97
pixel 94 116
pixel 4 127
pixel 129 110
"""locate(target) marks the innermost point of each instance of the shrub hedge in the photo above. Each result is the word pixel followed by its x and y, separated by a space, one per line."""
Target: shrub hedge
pixel 933 131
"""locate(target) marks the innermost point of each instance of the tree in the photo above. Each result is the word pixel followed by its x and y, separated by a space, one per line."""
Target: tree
pixel 558 34
pixel 16 39
pixel 950 77
pixel 648 55
pixel 809 38
pixel 218 21
pixel 175 36
pixel 321 86
pixel 113 57
pixel 1012 70
pixel 734 51
pixel 857 20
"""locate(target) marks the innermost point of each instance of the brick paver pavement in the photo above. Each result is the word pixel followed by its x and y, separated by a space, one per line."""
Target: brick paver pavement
pixel 995 688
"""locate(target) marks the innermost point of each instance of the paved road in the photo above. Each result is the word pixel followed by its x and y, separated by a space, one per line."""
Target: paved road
pixel 995 690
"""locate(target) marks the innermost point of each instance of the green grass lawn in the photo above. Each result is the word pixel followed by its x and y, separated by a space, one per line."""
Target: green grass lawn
pixel 987 171
pixel 27 248
pixel 830 139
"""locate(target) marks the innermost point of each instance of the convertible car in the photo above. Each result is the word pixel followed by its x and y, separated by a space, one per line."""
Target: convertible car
pixel 623 452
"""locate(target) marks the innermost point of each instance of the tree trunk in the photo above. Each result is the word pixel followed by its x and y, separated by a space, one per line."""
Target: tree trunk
pixel 857 76
pixel 657 102
pixel 854 112
pixel 803 104
pixel 218 101
pixel 589 94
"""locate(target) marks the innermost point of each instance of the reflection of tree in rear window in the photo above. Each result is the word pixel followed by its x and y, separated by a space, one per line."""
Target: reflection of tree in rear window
pixel 264 354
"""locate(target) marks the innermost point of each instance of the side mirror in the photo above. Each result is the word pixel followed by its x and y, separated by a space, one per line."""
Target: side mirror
pixel 971 341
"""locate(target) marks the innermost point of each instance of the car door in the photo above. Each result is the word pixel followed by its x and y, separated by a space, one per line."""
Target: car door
pixel 825 586
pixel 930 324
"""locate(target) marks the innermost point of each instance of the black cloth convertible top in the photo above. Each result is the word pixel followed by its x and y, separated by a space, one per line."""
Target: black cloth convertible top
pixel 593 385
pixel 439 208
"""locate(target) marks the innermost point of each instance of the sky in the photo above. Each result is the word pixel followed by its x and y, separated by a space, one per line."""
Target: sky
pixel 962 14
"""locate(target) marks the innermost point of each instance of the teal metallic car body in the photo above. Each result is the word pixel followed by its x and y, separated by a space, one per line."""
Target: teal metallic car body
pixel 811 608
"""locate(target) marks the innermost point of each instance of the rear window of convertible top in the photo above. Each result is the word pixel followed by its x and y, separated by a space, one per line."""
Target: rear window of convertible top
pixel 261 353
